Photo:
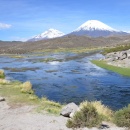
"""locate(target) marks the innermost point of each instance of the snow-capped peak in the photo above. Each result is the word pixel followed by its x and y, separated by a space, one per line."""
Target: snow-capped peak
pixel 51 33
pixel 92 25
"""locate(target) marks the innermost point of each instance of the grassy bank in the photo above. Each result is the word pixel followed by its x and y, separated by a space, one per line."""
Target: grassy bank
pixel 90 114
pixel 17 93
pixel 103 64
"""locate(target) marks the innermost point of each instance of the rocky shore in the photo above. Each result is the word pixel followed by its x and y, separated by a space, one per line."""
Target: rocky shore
pixel 120 58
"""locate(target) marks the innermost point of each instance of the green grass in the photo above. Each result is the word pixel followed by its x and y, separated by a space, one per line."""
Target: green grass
pixel 122 117
pixel 16 56
pixel 13 92
pixel 103 64
pixel 116 48
pixel 72 50
pixel 2 74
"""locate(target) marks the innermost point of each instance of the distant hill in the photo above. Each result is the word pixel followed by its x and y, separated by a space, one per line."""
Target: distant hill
pixel 62 42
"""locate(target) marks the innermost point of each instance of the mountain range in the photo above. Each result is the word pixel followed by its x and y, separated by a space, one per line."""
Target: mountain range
pixel 91 28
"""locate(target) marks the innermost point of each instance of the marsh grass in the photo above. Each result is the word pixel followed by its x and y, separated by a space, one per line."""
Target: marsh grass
pixel 47 60
pixel 23 69
pixel 51 71
pixel 120 70
pixel 16 56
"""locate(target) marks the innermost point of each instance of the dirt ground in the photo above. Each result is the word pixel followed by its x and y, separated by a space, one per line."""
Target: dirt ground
pixel 24 118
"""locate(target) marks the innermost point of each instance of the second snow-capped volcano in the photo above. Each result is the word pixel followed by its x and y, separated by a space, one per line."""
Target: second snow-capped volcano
pixel 51 33
pixel 95 28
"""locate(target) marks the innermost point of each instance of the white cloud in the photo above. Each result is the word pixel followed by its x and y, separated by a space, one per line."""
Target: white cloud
pixel 5 26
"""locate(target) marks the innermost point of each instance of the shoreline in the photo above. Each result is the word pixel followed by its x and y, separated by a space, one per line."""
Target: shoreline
pixel 104 64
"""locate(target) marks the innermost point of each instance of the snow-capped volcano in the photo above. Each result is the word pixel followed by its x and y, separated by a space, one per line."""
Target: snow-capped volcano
pixel 92 25
pixel 96 28
pixel 51 33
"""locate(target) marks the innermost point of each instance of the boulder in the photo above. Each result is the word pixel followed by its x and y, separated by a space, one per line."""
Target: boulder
pixel 122 55
pixel 128 54
pixel 2 99
pixel 69 110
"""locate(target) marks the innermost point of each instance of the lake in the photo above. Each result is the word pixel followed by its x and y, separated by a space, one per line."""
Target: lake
pixel 69 77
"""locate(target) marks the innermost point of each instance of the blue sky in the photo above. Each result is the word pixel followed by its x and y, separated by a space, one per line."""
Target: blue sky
pixel 22 19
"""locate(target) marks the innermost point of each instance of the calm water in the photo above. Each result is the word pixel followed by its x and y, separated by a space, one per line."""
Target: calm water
pixel 69 78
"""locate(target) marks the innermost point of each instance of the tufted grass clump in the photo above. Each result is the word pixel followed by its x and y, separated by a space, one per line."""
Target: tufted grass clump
pixel 2 74
pixel 103 110
pixel 122 117
pixel 87 116
pixel 26 87
pixel 49 106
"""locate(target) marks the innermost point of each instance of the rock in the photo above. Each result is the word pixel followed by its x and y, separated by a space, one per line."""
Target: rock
pixel 113 59
pixel 107 125
pixel 122 55
pixel 2 99
pixel 69 110
pixel 128 54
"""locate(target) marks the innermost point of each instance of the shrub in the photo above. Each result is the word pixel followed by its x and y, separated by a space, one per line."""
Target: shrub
pixel 26 87
pixel 122 117
pixel 103 110
pixel 86 117
pixel 2 74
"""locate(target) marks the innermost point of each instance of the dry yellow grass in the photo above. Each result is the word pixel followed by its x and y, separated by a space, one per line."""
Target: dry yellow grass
pixel 101 109
pixel 4 81
pixel 26 87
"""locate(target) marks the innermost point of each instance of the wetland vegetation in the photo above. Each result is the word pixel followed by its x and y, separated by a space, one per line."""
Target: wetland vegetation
pixel 120 70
